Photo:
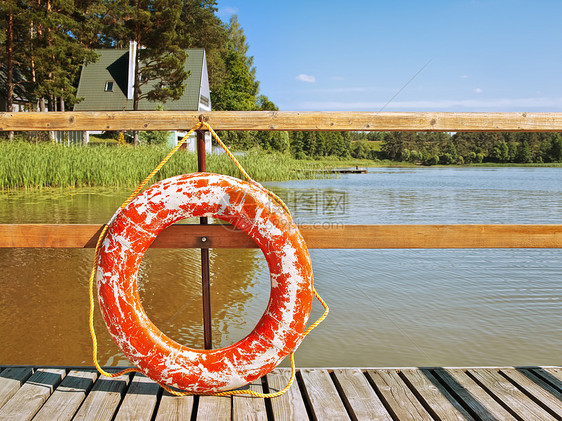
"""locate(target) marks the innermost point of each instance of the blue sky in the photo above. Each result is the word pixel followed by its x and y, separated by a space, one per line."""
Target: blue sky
pixel 479 55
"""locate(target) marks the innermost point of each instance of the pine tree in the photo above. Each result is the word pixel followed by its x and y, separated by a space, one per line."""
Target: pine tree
pixel 53 53
pixel 160 72
pixel 9 11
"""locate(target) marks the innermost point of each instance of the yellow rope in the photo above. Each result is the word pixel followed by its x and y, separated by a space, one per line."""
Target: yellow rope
pixel 96 256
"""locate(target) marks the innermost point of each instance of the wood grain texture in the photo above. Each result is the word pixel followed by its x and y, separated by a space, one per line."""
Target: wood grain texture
pixel 214 408
pixel 334 237
pixel 246 408
pixel 11 380
pixel 323 395
pixel 174 408
pixel 480 403
pixel 67 398
pixel 442 403
pixel 104 399
pixel 360 396
pixel 502 389
pixel 32 395
pixel 398 396
pixel 534 386
pixel 289 406
pixel 140 400
pixel 284 120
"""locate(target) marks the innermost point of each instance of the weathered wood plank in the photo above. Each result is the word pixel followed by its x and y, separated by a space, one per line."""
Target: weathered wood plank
pixel 103 399
pixel 439 399
pixel 140 400
pixel 360 396
pixel 67 398
pixel 335 237
pixel 507 393
pixel 289 406
pixel 399 397
pixel 246 408
pixel 32 395
pixel 538 389
pixel 217 408
pixel 174 408
pixel 556 372
pixel 11 379
pixel 284 120
pixel 323 395
pixel 480 403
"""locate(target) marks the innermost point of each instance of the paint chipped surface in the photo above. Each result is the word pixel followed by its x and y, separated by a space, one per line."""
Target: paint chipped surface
pixel 249 208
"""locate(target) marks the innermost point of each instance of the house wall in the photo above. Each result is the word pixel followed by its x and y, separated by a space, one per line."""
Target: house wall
pixel 204 91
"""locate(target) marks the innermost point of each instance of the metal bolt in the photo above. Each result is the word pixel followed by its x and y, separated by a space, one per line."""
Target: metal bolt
pixel 203 239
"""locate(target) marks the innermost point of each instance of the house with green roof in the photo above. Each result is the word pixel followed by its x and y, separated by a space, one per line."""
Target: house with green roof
pixel 108 85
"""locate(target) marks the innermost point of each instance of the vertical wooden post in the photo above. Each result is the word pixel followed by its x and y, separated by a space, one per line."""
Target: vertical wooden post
pixel 205 271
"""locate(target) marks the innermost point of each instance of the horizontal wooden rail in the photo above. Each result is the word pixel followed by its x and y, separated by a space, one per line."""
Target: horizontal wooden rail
pixel 280 120
pixel 316 236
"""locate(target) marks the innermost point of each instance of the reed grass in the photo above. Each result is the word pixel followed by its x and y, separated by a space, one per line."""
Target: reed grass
pixel 27 165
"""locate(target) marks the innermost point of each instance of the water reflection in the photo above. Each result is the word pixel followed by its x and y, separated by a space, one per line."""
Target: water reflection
pixel 44 300
pixel 388 307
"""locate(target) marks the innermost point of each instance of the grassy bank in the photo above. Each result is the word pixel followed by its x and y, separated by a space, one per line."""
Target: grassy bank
pixel 26 165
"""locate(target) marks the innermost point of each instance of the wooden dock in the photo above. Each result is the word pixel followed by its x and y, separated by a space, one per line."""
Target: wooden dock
pixel 520 393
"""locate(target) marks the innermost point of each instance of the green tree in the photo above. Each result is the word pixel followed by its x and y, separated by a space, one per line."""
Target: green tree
pixel 524 152
pixel 160 59
pixel 11 38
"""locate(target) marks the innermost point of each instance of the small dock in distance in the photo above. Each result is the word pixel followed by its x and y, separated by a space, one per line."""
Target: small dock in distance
pixel 356 170
pixel 520 393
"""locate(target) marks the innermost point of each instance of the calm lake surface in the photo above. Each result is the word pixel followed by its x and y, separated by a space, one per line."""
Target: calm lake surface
pixel 388 307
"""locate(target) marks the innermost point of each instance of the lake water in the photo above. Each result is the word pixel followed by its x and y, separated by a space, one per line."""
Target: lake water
pixel 388 307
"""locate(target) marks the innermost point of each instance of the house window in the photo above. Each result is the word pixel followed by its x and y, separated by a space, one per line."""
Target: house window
pixel 204 101
pixel 109 86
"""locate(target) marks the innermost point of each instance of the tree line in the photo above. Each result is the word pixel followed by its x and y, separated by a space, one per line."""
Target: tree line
pixel 467 147
pixel 48 41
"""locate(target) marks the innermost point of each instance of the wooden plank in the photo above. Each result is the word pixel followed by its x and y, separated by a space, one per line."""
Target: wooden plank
pixel 401 400
pixel 334 237
pixel 556 372
pixel 32 395
pixel 480 403
pixel 67 398
pixel 360 396
pixel 284 120
pixel 248 408
pixel 323 395
pixel 104 398
pixel 441 402
pixel 289 406
pixel 140 400
pixel 216 408
pixel 11 380
pixel 538 389
pixel 509 395
pixel 174 408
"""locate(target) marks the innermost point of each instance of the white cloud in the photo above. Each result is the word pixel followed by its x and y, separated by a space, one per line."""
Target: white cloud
pixel 227 11
pixel 306 78
pixel 464 76
pixel 478 90
pixel 498 104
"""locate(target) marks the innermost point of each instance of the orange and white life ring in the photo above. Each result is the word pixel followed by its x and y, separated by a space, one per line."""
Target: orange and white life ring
pixel 247 207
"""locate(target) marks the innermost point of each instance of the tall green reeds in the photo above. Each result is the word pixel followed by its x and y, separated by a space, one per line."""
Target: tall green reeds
pixel 28 165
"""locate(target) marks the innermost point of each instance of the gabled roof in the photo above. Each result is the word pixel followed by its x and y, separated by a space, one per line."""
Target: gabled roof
pixel 112 66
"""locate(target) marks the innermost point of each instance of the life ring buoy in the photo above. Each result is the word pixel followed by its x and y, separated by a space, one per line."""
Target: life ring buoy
pixel 247 207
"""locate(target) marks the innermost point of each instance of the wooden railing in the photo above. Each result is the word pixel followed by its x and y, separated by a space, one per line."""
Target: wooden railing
pixel 325 236
pixel 281 120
